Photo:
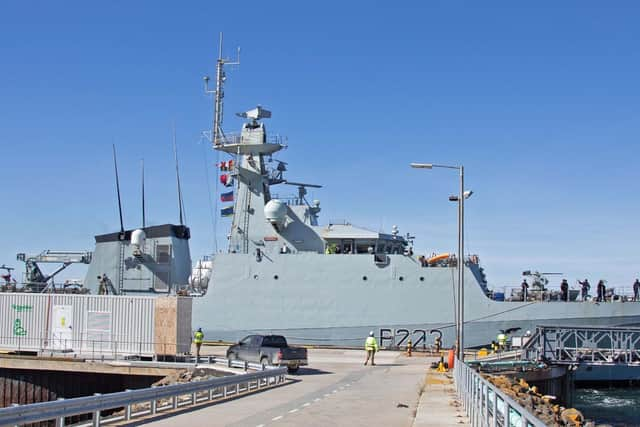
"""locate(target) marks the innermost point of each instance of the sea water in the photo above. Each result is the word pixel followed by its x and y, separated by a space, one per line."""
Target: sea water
pixel 619 407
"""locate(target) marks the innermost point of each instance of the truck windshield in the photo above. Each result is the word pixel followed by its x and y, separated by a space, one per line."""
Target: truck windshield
pixel 274 341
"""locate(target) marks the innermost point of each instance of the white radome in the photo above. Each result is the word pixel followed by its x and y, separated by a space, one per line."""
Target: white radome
pixel 138 239
pixel 275 211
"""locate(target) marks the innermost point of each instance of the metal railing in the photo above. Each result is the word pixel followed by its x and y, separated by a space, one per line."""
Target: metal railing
pixel 93 346
pixel 486 405
pixel 148 401
pixel 584 345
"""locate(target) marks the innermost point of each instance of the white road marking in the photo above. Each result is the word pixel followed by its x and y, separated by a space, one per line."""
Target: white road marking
pixel 293 411
pixel 307 404
pixel 334 391
pixel 317 399
pixel 260 425
pixel 327 395
pixel 279 417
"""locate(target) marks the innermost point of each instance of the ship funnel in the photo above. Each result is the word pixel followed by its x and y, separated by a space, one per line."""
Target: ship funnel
pixel 138 239
pixel 275 211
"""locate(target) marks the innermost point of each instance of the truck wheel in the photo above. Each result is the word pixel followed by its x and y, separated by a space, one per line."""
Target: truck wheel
pixel 292 370
pixel 265 362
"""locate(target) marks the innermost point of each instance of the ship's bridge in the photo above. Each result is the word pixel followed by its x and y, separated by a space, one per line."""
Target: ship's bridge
pixel 348 239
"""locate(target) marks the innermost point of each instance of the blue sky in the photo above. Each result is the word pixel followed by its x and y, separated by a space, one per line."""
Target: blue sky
pixel 540 102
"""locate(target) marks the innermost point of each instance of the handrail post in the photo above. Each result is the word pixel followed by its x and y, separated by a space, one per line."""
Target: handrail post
pixel 494 421
pixel 60 420
pixel 127 410
pixel 96 414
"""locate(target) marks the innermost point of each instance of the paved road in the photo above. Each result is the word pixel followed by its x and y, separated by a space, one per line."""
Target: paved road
pixel 336 390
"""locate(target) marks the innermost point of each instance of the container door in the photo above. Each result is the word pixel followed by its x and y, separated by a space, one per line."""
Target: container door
pixel 62 327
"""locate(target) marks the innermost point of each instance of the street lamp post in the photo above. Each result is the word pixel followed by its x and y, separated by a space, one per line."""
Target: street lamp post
pixel 460 291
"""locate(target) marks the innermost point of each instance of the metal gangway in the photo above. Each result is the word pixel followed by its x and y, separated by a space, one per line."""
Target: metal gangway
pixel 570 345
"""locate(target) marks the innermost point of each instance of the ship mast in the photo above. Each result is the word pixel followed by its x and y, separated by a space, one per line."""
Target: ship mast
pixel 217 135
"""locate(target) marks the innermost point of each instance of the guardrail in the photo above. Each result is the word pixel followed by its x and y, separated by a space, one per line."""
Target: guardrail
pixel 584 345
pixel 486 405
pixel 153 400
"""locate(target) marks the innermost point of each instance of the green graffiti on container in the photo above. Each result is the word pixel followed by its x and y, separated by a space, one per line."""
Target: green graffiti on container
pixel 21 308
pixel 18 330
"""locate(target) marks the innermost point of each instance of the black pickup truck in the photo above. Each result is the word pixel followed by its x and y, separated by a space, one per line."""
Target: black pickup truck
pixel 269 350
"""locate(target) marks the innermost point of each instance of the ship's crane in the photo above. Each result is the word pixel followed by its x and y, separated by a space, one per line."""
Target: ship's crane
pixel 539 280
pixel 35 279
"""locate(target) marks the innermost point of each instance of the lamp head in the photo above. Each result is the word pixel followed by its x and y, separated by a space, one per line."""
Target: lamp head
pixel 422 165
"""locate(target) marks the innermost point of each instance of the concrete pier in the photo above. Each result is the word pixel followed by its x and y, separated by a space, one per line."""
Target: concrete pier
pixel 336 389
pixel 438 404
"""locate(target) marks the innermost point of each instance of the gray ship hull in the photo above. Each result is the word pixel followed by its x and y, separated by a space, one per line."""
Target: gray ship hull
pixel 324 299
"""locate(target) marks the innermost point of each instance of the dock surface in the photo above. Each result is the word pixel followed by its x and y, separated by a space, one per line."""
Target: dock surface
pixel 336 389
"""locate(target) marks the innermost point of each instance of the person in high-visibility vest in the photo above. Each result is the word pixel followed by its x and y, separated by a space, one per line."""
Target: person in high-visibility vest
pixel 371 346
pixel 502 340
pixel 197 340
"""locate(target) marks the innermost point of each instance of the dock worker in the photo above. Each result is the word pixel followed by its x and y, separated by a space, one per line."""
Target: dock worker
pixel 371 346
pixel 636 289
pixel 197 340
pixel 525 289
pixel 601 291
pixel 502 341
pixel 564 289
pixel 584 289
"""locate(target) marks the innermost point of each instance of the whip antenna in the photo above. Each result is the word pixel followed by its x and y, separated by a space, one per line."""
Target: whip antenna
pixel 175 154
pixel 144 222
pixel 115 166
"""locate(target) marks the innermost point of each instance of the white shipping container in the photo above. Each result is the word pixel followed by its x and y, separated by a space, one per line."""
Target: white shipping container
pixel 86 324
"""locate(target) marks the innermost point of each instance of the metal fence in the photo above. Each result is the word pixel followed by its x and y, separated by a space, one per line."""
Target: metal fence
pixel 94 347
pixel 148 401
pixel 486 405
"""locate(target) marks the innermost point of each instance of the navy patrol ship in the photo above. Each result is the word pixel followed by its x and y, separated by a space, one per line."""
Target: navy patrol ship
pixel 286 273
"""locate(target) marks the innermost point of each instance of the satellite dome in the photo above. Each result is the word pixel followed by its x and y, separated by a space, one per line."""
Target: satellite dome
pixel 138 238
pixel 275 211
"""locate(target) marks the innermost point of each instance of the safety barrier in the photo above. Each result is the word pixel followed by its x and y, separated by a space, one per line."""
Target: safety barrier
pixel 486 405
pixel 154 399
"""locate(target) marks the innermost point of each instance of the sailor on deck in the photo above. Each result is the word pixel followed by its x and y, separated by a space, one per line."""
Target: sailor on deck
pixel 585 286
pixel 564 288
pixel 601 291
pixel 636 289
pixel 525 290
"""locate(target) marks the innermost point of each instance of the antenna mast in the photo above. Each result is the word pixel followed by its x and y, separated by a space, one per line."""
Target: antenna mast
pixel 175 154
pixel 217 133
pixel 115 166
pixel 144 223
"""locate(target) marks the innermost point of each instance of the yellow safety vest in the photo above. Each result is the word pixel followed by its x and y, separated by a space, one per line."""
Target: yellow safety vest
pixel 198 338
pixel 371 344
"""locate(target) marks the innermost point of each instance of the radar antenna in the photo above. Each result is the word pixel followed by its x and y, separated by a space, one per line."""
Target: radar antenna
pixel 302 189
pixel 217 133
